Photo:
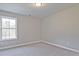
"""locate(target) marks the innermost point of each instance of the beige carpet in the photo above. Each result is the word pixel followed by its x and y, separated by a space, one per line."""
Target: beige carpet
pixel 38 49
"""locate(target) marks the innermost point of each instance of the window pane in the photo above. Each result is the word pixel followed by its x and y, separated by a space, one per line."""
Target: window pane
pixel 5 34
pixel 12 33
pixel 12 23
pixel 5 23
pixel 8 28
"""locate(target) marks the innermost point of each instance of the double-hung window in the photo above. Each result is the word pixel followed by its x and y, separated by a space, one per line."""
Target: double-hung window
pixel 8 28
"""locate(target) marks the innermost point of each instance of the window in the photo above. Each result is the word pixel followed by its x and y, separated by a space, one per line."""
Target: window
pixel 8 28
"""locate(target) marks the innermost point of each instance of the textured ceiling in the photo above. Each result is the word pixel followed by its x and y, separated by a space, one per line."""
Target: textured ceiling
pixel 30 10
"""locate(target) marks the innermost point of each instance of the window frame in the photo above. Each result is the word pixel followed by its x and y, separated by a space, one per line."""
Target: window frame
pixel 9 28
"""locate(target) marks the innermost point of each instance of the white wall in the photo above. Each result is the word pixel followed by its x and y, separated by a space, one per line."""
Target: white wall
pixel 28 30
pixel 62 28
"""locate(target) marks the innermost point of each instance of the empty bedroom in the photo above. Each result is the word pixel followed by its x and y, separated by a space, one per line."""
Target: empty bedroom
pixel 39 29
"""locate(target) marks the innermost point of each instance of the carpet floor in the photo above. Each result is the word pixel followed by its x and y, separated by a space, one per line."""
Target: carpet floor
pixel 38 49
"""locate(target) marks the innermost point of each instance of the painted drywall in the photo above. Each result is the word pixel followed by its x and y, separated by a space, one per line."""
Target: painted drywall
pixel 28 30
pixel 62 28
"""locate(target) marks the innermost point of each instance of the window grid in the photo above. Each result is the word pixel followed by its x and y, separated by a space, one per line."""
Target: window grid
pixel 8 29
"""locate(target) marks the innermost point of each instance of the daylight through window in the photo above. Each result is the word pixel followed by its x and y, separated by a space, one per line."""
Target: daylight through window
pixel 8 28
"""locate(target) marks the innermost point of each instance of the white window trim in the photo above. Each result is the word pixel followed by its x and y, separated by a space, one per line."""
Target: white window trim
pixel 1 28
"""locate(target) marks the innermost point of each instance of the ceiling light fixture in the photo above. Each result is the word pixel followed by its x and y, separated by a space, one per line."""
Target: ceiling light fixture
pixel 38 4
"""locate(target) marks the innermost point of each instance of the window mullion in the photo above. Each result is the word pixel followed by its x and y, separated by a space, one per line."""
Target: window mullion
pixel 1 27
pixel 9 29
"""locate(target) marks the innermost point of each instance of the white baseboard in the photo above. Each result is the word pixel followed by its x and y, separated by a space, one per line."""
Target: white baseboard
pixel 57 45
pixel 27 43
pixel 60 46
